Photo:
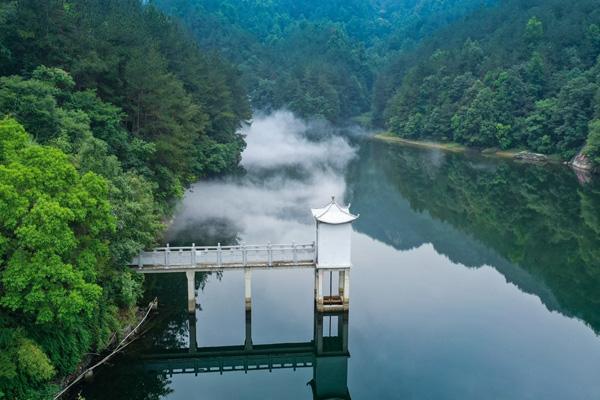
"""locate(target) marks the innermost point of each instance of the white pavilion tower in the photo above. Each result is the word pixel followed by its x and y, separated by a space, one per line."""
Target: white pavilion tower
pixel 334 231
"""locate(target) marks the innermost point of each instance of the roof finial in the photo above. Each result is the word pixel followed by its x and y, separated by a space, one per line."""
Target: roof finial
pixel 332 199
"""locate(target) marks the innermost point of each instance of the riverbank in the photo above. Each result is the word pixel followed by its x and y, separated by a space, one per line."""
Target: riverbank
pixel 454 147
pixel 512 154
pixel 132 320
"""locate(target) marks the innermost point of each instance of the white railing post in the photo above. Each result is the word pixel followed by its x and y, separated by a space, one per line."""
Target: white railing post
pixel 140 265
pixel 194 254
pixel 167 251
pixel 244 255
pixel 219 259
pixel 270 254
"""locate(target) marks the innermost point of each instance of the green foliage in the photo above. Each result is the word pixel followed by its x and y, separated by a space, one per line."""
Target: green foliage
pixel 54 222
pixel 534 31
pixel 140 114
pixel 24 366
pixel 522 74
pixel 54 226
pixel 33 360
pixel 592 148
pixel 316 58
pixel 132 68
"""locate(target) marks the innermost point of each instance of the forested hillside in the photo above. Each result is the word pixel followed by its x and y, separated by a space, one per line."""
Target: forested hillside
pixel 521 74
pixel 516 74
pixel 108 109
pixel 316 58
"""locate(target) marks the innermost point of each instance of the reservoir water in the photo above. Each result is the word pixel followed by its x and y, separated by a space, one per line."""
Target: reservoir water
pixel 473 277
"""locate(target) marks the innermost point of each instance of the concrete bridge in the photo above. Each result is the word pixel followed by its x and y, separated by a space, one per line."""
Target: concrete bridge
pixel 327 355
pixel 220 258
pixel 330 252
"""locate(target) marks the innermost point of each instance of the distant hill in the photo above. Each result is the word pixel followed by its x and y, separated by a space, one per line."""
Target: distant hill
pixel 521 74
pixel 317 58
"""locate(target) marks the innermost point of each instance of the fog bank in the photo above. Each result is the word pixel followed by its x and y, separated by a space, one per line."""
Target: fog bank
pixel 287 174
pixel 280 140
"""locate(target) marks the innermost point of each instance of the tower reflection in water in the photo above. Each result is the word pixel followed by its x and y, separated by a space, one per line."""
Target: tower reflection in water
pixel 327 354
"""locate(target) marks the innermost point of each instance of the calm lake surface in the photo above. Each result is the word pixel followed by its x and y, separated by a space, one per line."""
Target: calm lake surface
pixel 473 278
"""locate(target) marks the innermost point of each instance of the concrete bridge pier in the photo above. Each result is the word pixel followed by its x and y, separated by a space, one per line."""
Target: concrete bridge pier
pixel 191 291
pixel 330 369
pixel 324 338
pixel 319 278
pixel 192 333
pixel 343 330
pixel 345 288
pixel 339 301
pixel 248 340
pixel 248 288
pixel 318 332
pixel 248 306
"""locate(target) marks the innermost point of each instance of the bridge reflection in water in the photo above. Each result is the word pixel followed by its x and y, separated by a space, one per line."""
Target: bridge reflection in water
pixel 327 354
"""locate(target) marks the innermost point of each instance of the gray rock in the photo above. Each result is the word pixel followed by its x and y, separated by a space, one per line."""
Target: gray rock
pixel 582 162
pixel 530 157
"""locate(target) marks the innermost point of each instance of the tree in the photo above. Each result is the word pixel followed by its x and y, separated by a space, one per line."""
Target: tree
pixel 592 147
pixel 478 123
pixel 537 85
pixel 54 225
pixel 534 31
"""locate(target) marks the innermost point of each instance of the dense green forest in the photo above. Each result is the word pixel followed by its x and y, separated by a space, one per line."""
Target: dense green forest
pixel 521 74
pixel 108 110
pixel 506 74
pixel 316 58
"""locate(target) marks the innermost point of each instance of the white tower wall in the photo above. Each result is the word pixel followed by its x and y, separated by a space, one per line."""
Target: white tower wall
pixel 333 245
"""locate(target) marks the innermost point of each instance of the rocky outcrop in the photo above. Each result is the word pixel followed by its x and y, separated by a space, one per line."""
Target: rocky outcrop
pixel 582 162
pixel 583 167
pixel 530 157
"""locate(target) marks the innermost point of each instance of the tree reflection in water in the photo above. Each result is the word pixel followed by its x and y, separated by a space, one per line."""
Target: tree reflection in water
pixel 536 224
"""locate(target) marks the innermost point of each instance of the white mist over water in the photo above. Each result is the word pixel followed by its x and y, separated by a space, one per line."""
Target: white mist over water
pixel 287 174
pixel 279 140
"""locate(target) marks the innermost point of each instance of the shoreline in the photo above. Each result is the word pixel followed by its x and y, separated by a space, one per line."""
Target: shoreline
pixel 452 147
pixel 516 155
pixel 458 148
pixel 132 322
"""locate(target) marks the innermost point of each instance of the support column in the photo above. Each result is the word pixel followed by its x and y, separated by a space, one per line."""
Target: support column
pixel 192 333
pixel 248 306
pixel 191 290
pixel 346 289
pixel 319 332
pixel 316 283
pixel 248 341
pixel 341 284
pixel 248 288
pixel 343 330
pixel 319 289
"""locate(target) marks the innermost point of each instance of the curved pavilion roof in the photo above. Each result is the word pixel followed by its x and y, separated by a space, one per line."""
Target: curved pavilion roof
pixel 333 213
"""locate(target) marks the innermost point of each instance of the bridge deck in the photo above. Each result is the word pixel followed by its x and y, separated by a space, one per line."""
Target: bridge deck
pixel 174 259
pixel 233 358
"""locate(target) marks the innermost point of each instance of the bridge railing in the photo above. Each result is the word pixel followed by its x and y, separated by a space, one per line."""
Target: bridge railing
pixel 230 364
pixel 240 255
